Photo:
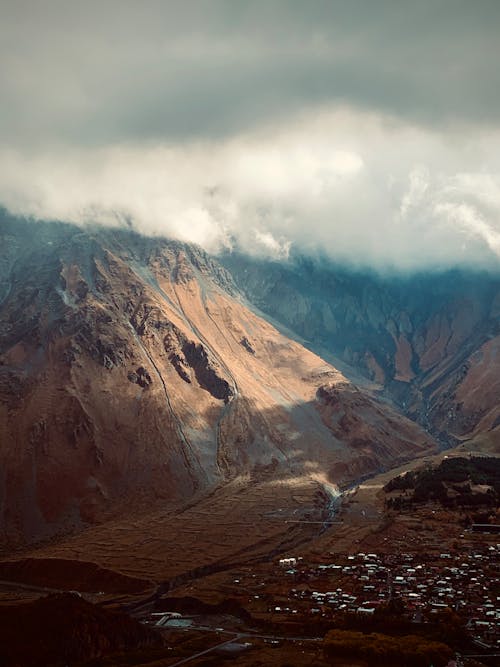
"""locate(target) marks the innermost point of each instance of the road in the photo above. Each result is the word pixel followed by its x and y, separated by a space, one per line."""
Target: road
pixel 237 636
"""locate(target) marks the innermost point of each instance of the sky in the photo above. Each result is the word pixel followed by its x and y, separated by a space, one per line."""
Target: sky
pixel 368 130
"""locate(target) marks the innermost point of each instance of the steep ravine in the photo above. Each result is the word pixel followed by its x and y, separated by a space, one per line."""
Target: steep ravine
pixel 431 341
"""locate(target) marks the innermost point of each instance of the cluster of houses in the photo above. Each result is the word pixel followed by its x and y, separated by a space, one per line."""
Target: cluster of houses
pixel 467 583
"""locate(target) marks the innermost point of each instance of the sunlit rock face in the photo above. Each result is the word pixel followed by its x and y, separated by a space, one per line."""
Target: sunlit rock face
pixel 431 340
pixel 133 370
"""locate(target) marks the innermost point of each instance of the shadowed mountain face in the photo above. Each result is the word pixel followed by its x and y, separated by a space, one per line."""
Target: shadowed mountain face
pixel 432 341
pixel 132 370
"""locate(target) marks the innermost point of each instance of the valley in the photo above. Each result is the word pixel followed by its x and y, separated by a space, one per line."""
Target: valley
pixel 252 598
pixel 250 333
pixel 164 444
pixel 429 340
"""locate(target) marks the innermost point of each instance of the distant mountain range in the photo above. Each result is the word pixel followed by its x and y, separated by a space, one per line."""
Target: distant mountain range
pixel 430 340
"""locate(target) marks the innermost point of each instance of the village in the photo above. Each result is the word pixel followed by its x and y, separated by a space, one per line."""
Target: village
pixel 425 572
pixel 298 598
pixel 467 584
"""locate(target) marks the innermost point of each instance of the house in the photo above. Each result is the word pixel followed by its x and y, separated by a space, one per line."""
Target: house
pixel 365 610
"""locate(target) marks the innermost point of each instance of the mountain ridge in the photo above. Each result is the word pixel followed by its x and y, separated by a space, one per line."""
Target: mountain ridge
pixel 132 371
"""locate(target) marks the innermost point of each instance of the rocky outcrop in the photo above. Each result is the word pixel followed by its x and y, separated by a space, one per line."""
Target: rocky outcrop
pixel 189 357
pixel 247 345
pixel 206 375
pixel 374 430
pixel 141 377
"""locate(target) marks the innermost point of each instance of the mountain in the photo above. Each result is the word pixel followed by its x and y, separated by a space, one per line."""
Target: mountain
pixel 134 371
pixel 431 341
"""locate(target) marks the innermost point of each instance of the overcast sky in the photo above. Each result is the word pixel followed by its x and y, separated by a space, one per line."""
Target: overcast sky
pixel 368 128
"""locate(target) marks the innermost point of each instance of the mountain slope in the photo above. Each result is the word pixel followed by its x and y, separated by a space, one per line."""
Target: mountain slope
pixel 132 371
pixel 431 340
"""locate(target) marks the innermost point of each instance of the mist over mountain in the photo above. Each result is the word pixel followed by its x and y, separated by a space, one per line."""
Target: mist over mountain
pixel 342 183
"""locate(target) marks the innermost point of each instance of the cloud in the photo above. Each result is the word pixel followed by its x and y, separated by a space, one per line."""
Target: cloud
pixel 418 186
pixel 345 183
pixel 278 249
pixel 469 220
pixel 114 71
pixel 368 131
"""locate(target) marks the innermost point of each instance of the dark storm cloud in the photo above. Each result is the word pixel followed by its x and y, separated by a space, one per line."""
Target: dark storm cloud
pixel 369 129
pixel 101 72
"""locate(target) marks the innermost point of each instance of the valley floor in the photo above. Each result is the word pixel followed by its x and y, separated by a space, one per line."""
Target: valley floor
pixel 220 556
